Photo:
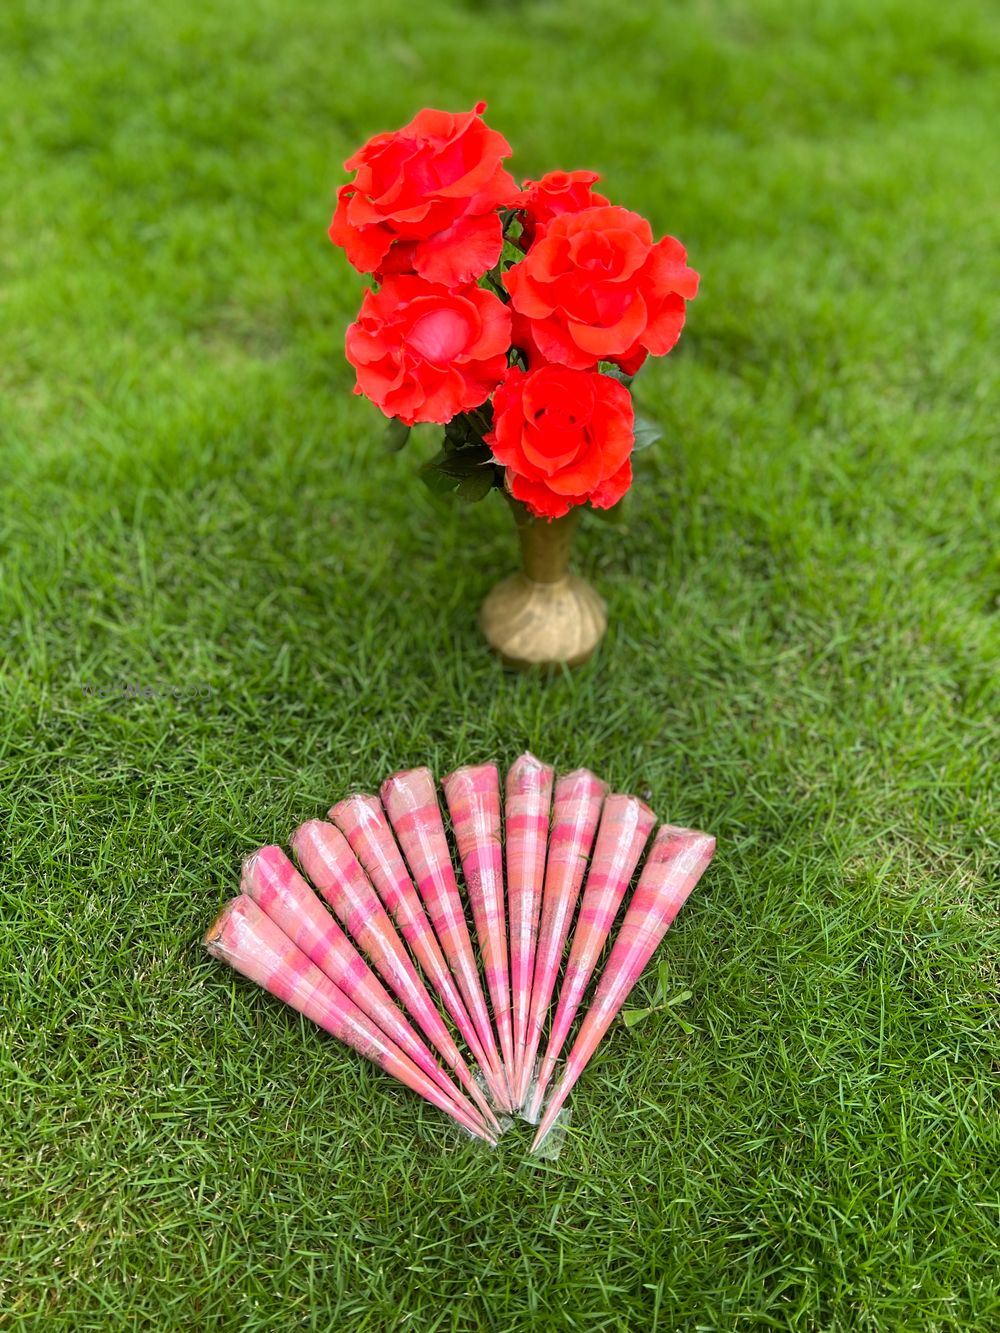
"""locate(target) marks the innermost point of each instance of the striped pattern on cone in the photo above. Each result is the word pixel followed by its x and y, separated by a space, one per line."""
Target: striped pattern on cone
pixel 244 937
pixel 626 823
pixel 363 822
pixel 676 862
pixel 473 796
pixel 576 810
pixel 526 828
pixel 270 879
pixel 369 936
pixel 410 801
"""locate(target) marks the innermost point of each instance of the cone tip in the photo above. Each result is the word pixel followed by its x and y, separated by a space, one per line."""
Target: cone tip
pixel 552 1110
pixel 542 1133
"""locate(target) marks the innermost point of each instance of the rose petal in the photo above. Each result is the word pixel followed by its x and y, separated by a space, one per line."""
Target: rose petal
pixel 462 253
pixel 555 344
pixel 667 271
pixel 611 491
pixel 541 501
pixel 664 327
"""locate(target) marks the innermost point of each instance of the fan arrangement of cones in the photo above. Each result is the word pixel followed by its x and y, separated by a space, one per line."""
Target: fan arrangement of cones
pixel 369 937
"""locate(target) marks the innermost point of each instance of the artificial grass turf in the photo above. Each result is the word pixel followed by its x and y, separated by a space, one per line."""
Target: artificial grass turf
pixel 802 659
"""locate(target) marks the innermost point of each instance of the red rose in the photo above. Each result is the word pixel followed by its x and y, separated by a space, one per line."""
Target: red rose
pixel 595 287
pixel 564 437
pixel 556 193
pixel 425 198
pixel 424 352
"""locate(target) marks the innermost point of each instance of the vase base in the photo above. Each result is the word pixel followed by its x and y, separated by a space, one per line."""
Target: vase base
pixel 533 624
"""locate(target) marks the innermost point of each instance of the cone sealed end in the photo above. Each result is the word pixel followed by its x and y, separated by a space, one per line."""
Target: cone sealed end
pixel 214 933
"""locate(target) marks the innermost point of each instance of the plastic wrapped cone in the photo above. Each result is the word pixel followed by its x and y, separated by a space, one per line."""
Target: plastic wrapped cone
pixel 410 801
pixel 363 822
pixel 626 823
pixel 270 879
pixel 326 857
pixel 576 809
pixel 244 937
pixel 526 829
pixel 473 796
pixel 676 861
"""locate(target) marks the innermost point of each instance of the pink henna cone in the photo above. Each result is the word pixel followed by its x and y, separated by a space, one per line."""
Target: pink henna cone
pixel 270 879
pixel 362 821
pixel 675 863
pixel 244 937
pixel 473 796
pixel 575 813
pixel 326 857
pixel 626 823
pixel 410 801
pixel 526 829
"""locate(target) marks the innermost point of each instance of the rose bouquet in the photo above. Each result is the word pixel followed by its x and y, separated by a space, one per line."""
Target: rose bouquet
pixel 516 317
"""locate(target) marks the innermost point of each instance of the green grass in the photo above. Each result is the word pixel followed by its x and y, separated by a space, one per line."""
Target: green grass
pixel 802 659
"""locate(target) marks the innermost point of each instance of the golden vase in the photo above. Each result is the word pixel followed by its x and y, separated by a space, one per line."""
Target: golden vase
pixel 544 616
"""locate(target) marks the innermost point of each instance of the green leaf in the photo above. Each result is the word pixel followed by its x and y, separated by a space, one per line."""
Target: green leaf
pixel 686 1027
pixel 510 255
pixel 633 1017
pixel 681 997
pixel 663 980
pixel 466 462
pixel 468 428
pixel 511 223
pixel 458 433
pixel 478 485
pixel 615 372
pixel 437 481
pixel 396 435
pixel 467 471
pixel 647 432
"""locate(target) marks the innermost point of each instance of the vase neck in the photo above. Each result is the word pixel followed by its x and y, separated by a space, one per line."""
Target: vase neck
pixel 546 546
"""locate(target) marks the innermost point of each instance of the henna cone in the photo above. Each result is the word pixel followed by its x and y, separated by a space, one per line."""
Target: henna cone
pixel 327 859
pixel 410 801
pixel 626 823
pixel 270 879
pixel 526 828
pixel 473 796
pixel 244 937
pixel 362 821
pixel 575 813
pixel 675 863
